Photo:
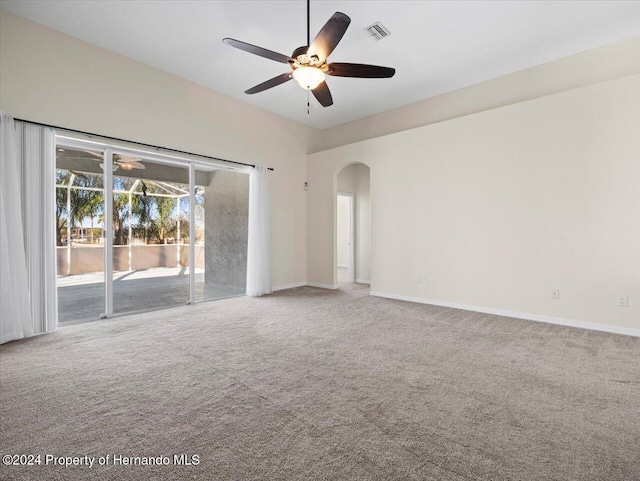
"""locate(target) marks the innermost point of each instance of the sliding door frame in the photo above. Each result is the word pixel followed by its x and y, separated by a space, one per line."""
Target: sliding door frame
pixel 109 150
pixel 107 231
pixel 192 232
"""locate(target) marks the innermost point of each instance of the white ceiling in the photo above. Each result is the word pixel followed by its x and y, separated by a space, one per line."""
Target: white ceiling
pixel 435 46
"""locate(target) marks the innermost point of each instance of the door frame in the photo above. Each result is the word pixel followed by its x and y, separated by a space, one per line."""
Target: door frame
pixel 352 234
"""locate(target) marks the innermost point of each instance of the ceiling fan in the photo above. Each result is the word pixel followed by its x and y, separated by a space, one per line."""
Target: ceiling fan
pixel 125 162
pixel 309 63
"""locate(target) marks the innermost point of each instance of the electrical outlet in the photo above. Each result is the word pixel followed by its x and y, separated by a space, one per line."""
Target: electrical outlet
pixel 419 280
pixel 555 293
pixel 623 301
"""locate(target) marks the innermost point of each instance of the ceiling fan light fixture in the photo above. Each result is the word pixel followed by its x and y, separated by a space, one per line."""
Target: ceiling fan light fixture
pixel 308 77
pixel 126 166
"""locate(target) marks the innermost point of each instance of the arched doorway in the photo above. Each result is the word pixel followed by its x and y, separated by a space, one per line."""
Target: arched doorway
pixel 352 243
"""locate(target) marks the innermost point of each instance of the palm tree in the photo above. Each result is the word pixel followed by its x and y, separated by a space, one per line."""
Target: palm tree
pixel 165 206
pixel 120 210
pixel 87 203
pixel 62 178
pixel 143 210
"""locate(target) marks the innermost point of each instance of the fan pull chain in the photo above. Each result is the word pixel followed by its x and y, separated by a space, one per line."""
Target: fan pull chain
pixel 308 105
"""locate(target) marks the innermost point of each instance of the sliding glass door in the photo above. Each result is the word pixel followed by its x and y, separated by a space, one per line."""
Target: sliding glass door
pixel 140 231
pixel 149 232
pixel 79 220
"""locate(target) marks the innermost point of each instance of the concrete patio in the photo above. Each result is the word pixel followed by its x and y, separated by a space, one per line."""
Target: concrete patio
pixel 81 297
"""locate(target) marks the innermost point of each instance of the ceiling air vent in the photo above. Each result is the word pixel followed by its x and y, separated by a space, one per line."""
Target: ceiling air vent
pixel 378 31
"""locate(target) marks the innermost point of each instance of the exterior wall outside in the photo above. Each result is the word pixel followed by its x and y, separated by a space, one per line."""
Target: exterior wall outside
pixel 226 229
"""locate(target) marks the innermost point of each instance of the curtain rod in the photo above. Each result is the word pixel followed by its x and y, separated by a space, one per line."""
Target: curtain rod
pixel 157 147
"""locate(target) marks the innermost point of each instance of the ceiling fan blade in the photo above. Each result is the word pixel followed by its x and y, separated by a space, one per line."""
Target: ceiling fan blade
pixel 81 158
pixel 323 94
pixel 126 158
pixel 132 164
pixel 275 81
pixel 262 52
pixel 329 36
pixel 95 154
pixel 360 70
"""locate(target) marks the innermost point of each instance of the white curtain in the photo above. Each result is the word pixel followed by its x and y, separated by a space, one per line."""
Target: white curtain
pixel 259 242
pixel 28 230
pixel 15 316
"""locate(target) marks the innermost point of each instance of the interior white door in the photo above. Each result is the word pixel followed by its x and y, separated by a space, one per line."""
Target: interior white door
pixel 346 233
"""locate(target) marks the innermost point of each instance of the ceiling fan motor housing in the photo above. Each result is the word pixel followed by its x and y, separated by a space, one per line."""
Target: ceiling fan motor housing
pixel 300 51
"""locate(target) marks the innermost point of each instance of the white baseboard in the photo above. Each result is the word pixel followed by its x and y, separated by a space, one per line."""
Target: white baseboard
pixel 322 286
pixel 518 315
pixel 289 286
pixel 363 281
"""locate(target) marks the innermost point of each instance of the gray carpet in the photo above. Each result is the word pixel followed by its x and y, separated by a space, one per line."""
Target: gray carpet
pixel 312 384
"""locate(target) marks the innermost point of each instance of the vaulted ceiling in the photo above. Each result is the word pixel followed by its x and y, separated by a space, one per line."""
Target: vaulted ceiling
pixel 435 46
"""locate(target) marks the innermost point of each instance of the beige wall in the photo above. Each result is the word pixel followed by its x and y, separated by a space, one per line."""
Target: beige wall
pixel 354 179
pixel 50 77
pixel 496 209
pixel 609 62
